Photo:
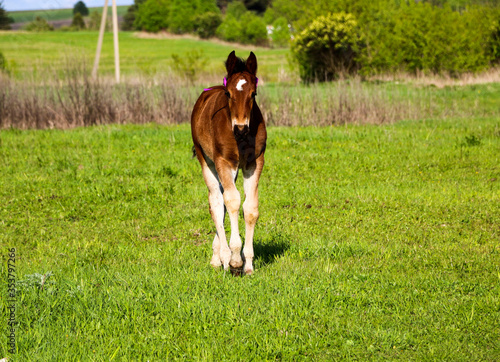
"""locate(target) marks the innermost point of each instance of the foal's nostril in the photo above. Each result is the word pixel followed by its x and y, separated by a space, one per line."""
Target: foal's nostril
pixel 240 130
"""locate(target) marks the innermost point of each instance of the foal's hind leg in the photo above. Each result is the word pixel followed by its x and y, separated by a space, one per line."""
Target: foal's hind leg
pixel 221 252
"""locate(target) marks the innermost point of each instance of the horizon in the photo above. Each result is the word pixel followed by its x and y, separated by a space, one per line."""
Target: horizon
pixel 32 5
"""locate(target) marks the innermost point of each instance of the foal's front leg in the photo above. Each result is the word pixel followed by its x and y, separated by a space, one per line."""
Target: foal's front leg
pixel 221 252
pixel 251 175
pixel 227 176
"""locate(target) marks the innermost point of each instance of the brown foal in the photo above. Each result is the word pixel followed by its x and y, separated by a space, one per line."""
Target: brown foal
pixel 229 134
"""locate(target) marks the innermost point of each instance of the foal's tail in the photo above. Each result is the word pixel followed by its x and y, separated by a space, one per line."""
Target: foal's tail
pixel 194 152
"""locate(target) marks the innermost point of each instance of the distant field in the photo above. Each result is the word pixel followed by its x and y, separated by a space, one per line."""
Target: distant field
pixel 30 53
pixel 55 14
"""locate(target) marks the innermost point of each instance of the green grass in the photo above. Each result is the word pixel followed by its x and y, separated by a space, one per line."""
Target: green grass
pixel 31 54
pixel 56 14
pixel 374 243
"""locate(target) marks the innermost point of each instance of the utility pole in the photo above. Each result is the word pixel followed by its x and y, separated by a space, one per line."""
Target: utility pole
pixel 115 40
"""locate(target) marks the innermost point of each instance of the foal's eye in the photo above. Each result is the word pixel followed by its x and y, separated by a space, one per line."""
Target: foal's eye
pixel 228 95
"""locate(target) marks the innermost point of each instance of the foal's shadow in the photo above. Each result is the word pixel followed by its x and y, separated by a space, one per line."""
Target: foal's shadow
pixel 267 250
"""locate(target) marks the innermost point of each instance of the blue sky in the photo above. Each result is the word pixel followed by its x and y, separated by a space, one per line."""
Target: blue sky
pixel 11 5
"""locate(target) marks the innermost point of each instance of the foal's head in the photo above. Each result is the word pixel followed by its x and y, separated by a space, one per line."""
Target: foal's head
pixel 241 89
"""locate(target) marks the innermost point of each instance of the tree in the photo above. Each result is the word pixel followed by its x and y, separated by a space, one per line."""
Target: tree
pixel 129 17
pixel 153 15
pixel 5 20
pixel 81 8
pixel 78 22
pixel 206 24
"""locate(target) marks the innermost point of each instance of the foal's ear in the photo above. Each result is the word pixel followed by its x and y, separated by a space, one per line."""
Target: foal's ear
pixel 231 62
pixel 252 64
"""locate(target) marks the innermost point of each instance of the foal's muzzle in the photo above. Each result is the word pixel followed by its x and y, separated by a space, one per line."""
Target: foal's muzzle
pixel 240 131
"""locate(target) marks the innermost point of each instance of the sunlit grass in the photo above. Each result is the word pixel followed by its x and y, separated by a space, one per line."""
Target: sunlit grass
pixel 374 242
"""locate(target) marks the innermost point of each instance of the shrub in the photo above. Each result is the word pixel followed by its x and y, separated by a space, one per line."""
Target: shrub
pixel 95 21
pixel 206 24
pixel 153 15
pixel 230 29
pixel 3 63
pixel 328 47
pixel 253 29
pixel 281 33
pixel 39 24
pixel 190 64
pixel 81 8
pixel 78 23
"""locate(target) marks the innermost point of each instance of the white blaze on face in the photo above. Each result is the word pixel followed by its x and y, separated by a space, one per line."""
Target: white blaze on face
pixel 240 84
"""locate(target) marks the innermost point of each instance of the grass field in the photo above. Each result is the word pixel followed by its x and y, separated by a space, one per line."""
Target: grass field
pixel 374 243
pixel 56 14
pixel 36 54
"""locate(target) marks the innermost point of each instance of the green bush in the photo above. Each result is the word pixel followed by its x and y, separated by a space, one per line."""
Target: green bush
pixel 230 29
pixel 3 63
pixel 39 24
pixel 190 64
pixel 248 29
pixel 433 39
pixel 153 15
pixel 253 29
pixel 281 33
pixel 206 24
pixel 328 47
pixel 78 23
pixel 181 17
pixel 176 16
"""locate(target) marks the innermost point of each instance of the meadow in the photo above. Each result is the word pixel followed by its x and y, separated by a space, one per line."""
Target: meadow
pixel 374 242
pixel 378 236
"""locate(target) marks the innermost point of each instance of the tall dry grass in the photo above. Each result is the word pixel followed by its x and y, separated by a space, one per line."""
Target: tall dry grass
pixel 70 98
pixel 74 99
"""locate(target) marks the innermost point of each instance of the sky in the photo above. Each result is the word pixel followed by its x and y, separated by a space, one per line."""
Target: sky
pixel 12 5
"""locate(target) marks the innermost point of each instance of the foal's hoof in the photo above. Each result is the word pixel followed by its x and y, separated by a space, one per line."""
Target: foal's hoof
pixel 215 262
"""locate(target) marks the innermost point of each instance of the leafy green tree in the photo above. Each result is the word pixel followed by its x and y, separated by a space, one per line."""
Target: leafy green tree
pixel 129 17
pixel 39 24
pixel 236 9
pixel 230 29
pixel 5 20
pixel 181 16
pixel 328 47
pixel 81 8
pixel 281 33
pixel 206 24
pixel 254 29
pixel 78 23
pixel 153 15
